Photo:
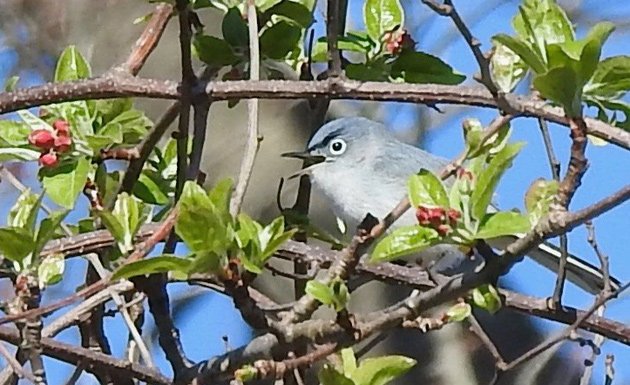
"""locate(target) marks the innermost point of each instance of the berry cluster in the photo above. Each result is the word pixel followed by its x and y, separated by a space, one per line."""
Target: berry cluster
pixel 394 42
pixel 440 219
pixel 51 143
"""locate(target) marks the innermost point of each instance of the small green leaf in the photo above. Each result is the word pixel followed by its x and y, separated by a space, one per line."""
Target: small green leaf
pixel 71 66
pixel 539 197
pixel 235 29
pixel 162 264
pixel 426 189
pixel 487 297
pixel 349 361
pixel 213 51
pixel 320 292
pixel 562 86
pixel 220 197
pixel 382 370
pixel 543 22
pixel 65 182
pixel 459 312
pixel 279 39
pixel 489 178
pixel 50 270
pixel 366 72
pixel 272 237
pixel 13 134
pixel 15 243
pixel 20 154
pixel 264 5
pixel 340 294
pixel 381 16
pixel 115 228
pixel 23 213
pixel 507 68
pixel 151 191
pixel 200 224
pixel 328 375
pixel 524 51
pixel 420 67
pixel 611 78
pixel 502 223
pixel 404 241
pixel 292 10
pixel 11 83
pixel 47 229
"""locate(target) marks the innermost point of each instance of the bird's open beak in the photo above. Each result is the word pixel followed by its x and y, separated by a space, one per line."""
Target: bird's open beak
pixel 310 159
pixel 304 155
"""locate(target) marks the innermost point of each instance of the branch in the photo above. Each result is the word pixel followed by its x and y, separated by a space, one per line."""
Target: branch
pixel 117 86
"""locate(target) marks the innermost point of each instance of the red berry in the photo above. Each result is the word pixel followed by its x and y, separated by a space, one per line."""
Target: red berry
pixel 453 216
pixel 42 139
pixel 62 127
pixel 423 216
pixel 62 143
pixel 48 159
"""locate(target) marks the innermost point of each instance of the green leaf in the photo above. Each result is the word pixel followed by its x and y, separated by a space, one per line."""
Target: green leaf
pixel 15 243
pixel 50 270
pixel 524 51
pixel 381 16
pixel 213 51
pixel 420 67
pixel 592 50
pixel 11 83
pixel 129 214
pixel 543 22
pixel 200 224
pixel 162 264
pixel 489 178
pixel 279 39
pixel 353 42
pixel 16 153
pixel 13 134
pixel 502 223
pixel 487 297
pixel 235 29
pixel 507 68
pixel 539 197
pixel 562 86
pixel 341 294
pixel 349 361
pixel 71 66
pixel 220 196
pixel 382 370
pixel 272 237
pixel 292 10
pixel 23 213
pixel 404 241
pixel 328 375
pixel 426 189
pixel 264 5
pixel 321 292
pixel 366 72
pixel 151 191
pixel 115 228
pixel 47 229
pixel 610 79
pixel 64 183
pixel 207 261
pixel 459 312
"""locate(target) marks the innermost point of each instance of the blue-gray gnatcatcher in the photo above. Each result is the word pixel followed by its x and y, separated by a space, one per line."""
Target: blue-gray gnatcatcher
pixel 361 168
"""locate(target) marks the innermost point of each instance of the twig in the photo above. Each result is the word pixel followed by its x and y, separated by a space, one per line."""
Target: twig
pixel 154 287
pixel 14 364
pixel 149 38
pixel 448 9
pixel 332 37
pixel 566 333
pixel 75 355
pixel 253 135
pixel 476 328
pixel 554 165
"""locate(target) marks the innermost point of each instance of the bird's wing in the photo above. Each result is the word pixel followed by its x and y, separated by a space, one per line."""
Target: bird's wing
pixel 583 274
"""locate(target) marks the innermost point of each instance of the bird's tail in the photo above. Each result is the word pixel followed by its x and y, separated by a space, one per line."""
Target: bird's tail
pixel 581 273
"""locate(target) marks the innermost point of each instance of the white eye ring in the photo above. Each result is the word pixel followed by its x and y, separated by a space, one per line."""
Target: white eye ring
pixel 337 146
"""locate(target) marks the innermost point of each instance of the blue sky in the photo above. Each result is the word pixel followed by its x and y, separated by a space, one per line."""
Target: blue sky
pixel 608 172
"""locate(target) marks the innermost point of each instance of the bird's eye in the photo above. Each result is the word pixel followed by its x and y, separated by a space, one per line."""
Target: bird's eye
pixel 337 147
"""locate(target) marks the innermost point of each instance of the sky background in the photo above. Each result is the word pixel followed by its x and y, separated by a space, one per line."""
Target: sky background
pixel 607 173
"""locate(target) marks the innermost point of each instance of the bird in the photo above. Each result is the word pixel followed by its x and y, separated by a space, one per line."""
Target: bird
pixel 361 168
